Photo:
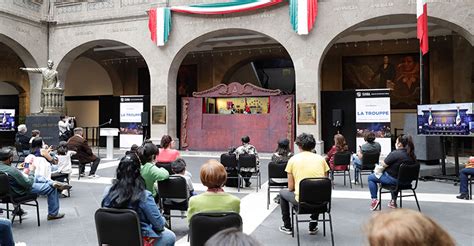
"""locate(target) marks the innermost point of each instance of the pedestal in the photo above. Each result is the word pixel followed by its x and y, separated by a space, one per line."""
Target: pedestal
pixel 110 133
pixel 46 124
pixel 110 148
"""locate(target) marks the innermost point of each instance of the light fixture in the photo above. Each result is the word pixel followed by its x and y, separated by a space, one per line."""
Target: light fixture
pixel 347 46
pixel 408 41
pixel 368 43
pixel 381 42
pixel 396 41
pixel 355 44
pixel 434 39
pixel 445 38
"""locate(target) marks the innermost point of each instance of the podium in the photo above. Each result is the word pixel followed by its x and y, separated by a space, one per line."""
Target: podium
pixel 110 133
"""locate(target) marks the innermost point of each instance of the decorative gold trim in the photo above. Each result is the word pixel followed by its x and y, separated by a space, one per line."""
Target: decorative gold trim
pixel 289 117
pixel 184 129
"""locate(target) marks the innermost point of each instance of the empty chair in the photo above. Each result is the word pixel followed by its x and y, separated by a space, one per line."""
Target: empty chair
pixel 277 178
pixel 315 197
pixel 203 226
pixel 174 195
pixel 118 227
pixel 231 166
pixel 369 160
pixel 342 159
pixel 407 174
pixel 7 198
pixel 165 165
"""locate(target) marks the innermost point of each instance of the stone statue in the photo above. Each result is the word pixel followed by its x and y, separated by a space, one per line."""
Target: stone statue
pixel 50 85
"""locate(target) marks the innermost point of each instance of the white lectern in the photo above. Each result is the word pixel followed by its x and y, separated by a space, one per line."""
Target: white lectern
pixel 110 133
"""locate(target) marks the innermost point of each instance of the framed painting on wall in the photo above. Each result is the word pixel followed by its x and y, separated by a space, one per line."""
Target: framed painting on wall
pixel 399 72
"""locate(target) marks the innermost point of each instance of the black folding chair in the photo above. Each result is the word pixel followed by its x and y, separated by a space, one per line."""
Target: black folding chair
pixel 75 162
pixel 165 165
pixel 7 198
pixel 276 170
pixel 369 160
pixel 203 226
pixel 19 153
pixel 314 197
pixel 406 175
pixel 175 187
pixel 231 166
pixel 249 161
pixel 118 227
pixel 342 159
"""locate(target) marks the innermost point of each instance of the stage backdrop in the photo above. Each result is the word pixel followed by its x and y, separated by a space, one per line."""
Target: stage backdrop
pixel 399 72
pixel 373 114
pixel 131 129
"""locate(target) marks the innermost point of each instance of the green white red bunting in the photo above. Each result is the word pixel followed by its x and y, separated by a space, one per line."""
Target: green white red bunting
pixel 302 14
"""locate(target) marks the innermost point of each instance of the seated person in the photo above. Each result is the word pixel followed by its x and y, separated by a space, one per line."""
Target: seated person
pixel 22 140
pixel 232 237
pixel 403 154
pixel 213 176
pixel 6 234
pixel 249 149
pixel 179 168
pixel 22 185
pixel 150 173
pixel 404 227
pixel 369 146
pixel 41 158
pixel 166 152
pixel 83 153
pixel 133 149
pixel 64 161
pixel 283 151
pixel 340 145
pixel 128 191
pixel 468 170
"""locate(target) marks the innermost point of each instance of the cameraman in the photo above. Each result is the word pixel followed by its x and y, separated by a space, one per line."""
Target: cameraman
pixel 65 125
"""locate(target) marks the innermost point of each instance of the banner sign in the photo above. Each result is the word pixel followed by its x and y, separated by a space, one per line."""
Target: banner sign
pixel 131 129
pixel 454 119
pixel 373 115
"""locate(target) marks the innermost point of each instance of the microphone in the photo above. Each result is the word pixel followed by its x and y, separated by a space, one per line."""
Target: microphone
pixel 110 121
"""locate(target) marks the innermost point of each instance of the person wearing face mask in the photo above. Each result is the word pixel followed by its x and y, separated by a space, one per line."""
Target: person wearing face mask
pixel 404 153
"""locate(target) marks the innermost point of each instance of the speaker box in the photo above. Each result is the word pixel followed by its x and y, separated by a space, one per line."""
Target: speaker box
pixel 145 119
pixel 337 117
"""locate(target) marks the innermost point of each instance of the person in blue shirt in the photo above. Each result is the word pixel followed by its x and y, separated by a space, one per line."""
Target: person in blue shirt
pixel 128 192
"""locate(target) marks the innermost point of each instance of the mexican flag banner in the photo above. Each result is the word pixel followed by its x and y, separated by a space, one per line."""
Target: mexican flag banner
pixel 302 14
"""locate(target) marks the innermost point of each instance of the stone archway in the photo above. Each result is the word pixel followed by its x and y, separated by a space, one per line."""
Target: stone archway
pixel 173 124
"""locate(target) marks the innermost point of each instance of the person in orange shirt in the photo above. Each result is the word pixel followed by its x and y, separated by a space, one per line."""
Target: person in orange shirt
pixel 167 153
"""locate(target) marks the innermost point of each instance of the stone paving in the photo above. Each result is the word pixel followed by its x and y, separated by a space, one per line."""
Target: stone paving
pixel 350 212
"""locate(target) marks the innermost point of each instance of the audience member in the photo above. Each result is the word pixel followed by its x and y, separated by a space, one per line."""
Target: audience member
pixel 283 152
pixel 179 168
pixel 128 191
pixel 305 164
pixel 213 176
pixel 23 185
pixel 369 146
pixel 35 134
pixel 150 173
pixel 249 149
pixel 133 149
pixel 22 140
pixel 232 237
pixel 404 153
pixel 83 153
pixel 41 158
pixel 340 145
pixel 468 170
pixel 6 234
pixel 167 153
pixel 65 124
pixel 64 160
pixel 403 227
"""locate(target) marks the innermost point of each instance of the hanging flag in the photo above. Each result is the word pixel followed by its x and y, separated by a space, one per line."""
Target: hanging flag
pixel 303 15
pixel 226 7
pixel 159 23
pixel 422 25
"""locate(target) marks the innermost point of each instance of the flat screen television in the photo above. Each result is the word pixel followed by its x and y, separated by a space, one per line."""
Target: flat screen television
pixel 7 120
pixel 454 119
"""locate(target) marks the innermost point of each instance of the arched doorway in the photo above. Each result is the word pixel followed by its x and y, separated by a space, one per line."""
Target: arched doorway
pixel 95 75
pixel 353 59
pixel 231 55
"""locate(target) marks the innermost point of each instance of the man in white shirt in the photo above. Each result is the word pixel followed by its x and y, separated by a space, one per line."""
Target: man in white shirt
pixel 65 125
